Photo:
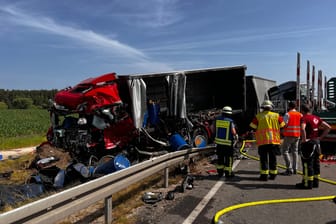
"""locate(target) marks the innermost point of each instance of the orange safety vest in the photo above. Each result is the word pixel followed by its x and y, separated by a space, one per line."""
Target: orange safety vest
pixel 293 126
pixel 268 128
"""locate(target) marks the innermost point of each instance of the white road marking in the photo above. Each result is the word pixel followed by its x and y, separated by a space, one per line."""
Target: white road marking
pixel 198 209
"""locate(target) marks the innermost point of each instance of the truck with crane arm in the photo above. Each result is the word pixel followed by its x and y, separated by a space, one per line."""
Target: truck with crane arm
pixel 325 108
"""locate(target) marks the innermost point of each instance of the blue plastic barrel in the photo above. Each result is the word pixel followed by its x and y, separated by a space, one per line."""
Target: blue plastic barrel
pixel 121 162
pixel 153 113
pixel 200 141
pixel 177 142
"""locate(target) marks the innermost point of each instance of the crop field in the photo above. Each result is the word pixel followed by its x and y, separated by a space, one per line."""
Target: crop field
pixel 22 128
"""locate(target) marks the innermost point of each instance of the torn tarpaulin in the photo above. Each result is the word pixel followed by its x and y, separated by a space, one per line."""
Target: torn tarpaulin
pixel 12 194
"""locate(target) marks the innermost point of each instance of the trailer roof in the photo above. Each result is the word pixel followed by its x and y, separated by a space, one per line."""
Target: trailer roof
pixel 197 71
pixel 260 78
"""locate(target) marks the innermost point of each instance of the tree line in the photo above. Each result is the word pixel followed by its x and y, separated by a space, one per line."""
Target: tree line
pixel 26 99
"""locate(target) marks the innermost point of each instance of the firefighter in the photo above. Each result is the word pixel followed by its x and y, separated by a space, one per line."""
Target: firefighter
pixel 225 137
pixel 310 147
pixel 267 125
pixel 291 133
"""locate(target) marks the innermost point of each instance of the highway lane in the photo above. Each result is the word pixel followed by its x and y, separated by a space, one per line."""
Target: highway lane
pixel 211 194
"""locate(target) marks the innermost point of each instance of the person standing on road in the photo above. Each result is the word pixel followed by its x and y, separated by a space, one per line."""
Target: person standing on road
pixel 310 147
pixel 291 133
pixel 225 136
pixel 267 125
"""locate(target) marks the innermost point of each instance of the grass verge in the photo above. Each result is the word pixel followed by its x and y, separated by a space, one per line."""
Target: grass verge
pixel 22 141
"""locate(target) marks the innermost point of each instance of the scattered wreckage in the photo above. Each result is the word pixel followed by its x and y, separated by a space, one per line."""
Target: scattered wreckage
pixel 111 122
pixel 137 117
pixel 146 115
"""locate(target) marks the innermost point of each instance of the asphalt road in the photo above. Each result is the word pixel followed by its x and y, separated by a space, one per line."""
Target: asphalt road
pixel 211 195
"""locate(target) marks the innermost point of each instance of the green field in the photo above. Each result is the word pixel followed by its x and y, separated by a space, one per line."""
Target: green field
pixel 23 128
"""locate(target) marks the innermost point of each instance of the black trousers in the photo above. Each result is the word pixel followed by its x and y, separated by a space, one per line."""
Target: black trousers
pixel 224 157
pixel 310 156
pixel 268 160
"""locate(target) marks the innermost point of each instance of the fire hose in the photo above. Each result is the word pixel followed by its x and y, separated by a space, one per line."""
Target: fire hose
pixel 274 201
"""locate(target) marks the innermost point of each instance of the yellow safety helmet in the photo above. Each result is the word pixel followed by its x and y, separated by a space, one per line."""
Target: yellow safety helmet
pixel 227 110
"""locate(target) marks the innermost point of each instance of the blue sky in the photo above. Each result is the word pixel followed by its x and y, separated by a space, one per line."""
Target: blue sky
pixel 47 44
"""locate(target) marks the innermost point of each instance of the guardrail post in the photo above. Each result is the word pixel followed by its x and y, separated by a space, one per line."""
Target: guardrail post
pixel 166 177
pixel 108 210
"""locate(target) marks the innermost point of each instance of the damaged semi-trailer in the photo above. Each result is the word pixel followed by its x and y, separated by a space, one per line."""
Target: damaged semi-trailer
pixel 144 115
pixel 187 99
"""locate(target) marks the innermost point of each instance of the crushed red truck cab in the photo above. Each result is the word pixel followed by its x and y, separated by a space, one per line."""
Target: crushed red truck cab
pixel 93 92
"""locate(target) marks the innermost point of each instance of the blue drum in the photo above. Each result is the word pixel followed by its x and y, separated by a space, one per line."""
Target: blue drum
pixel 200 141
pixel 177 142
pixel 119 162
pixel 153 113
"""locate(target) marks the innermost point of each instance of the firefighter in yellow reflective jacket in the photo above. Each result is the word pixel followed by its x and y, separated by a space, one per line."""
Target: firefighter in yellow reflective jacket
pixel 225 136
pixel 267 125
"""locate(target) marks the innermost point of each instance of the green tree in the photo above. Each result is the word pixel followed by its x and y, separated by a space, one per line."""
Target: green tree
pixel 22 103
pixel 40 98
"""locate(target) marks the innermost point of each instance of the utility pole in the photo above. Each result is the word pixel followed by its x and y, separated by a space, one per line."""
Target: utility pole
pixel 313 87
pixel 325 91
pixel 308 84
pixel 319 90
pixel 298 81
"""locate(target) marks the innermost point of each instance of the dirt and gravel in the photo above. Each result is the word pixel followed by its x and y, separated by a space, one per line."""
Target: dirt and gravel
pixel 152 213
pixel 62 158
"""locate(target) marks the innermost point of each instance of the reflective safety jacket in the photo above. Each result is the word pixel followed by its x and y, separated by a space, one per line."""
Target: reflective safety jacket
pixel 224 134
pixel 267 125
pixel 293 124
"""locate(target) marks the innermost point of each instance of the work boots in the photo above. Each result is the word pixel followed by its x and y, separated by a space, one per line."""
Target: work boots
pixel 302 185
pixel 272 176
pixel 220 173
pixel 263 177
pixel 288 172
pixel 316 183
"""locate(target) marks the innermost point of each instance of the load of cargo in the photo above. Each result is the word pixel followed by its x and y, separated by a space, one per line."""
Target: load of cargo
pixel 144 115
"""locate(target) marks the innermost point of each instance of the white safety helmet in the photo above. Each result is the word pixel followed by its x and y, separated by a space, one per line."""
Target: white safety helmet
pixel 227 110
pixel 267 104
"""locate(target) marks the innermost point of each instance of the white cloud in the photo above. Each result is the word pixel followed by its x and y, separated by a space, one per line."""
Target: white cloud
pixel 84 36
pixel 151 13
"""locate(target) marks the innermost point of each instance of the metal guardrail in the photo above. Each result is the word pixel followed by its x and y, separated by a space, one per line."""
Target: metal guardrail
pixel 61 205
